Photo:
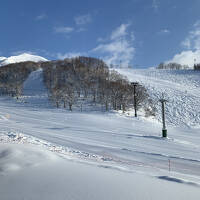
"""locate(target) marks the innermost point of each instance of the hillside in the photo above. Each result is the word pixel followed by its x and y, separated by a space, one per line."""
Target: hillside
pixel 75 84
pixel 180 88
pixel 2 58
pixel 35 93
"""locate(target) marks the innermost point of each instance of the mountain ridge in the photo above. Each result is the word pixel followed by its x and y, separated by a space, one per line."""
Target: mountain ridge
pixel 21 58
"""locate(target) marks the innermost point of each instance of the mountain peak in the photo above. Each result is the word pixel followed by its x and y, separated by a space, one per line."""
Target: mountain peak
pixel 2 58
pixel 21 58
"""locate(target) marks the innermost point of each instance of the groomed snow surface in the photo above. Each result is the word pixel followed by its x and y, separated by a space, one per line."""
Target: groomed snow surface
pixel 48 153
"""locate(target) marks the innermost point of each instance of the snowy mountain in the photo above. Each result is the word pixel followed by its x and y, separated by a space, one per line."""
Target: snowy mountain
pixel 2 58
pixel 20 58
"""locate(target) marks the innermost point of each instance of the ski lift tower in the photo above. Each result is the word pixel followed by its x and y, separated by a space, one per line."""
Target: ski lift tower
pixel 164 130
pixel 135 84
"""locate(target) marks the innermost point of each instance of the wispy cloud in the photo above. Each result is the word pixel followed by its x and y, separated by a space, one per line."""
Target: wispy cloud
pixel 186 43
pixel 15 53
pixel 100 39
pixel 191 43
pixel 81 29
pixel 164 31
pixel 41 17
pixel 121 31
pixel 119 48
pixel 80 21
pixel 83 19
pixel 63 29
pixel 155 4
pixel 70 55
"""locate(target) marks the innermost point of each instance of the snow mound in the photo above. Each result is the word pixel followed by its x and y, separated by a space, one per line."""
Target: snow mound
pixel 21 58
pixel 15 159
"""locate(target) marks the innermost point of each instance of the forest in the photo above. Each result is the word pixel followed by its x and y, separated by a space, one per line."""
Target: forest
pixel 78 81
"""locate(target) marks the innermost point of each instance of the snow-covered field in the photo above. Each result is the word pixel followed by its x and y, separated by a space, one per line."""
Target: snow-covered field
pixel 49 153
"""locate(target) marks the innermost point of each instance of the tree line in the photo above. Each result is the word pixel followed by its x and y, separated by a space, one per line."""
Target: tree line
pixel 197 66
pixel 176 66
pixel 77 81
pixel 172 65
pixel 12 77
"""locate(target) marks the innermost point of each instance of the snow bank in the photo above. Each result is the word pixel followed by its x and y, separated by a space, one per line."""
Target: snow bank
pixel 13 158
pixel 27 172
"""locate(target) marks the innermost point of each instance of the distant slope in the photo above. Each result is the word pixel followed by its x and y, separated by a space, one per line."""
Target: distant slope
pixel 34 90
pixel 20 58
pixel 180 87
pixel 2 58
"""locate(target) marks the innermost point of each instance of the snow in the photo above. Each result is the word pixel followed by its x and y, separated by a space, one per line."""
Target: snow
pixel 2 58
pixel 28 172
pixel 180 88
pixel 95 155
pixel 35 93
pixel 21 58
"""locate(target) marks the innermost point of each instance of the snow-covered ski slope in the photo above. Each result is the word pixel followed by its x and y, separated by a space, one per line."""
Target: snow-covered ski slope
pixel 35 93
pixel 180 87
pixel 107 143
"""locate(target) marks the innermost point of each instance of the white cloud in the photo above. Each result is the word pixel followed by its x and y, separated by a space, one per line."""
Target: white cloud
pixel 16 53
pixel 100 39
pixel 63 29
pixel 155 4
pixel 192 45
pixel 81 29
pixel 79 20
pixel 69 55
pixel 186 43
pixel 192 41
pixel 164 31
pixel 119 48
pixel 41 17
pixel 186 58
pixel 121 31
pixel 83 19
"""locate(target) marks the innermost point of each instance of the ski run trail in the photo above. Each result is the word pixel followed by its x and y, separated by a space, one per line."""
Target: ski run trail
pixel 48 153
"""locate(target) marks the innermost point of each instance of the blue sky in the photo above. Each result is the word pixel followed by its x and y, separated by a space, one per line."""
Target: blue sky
pixel 141 33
